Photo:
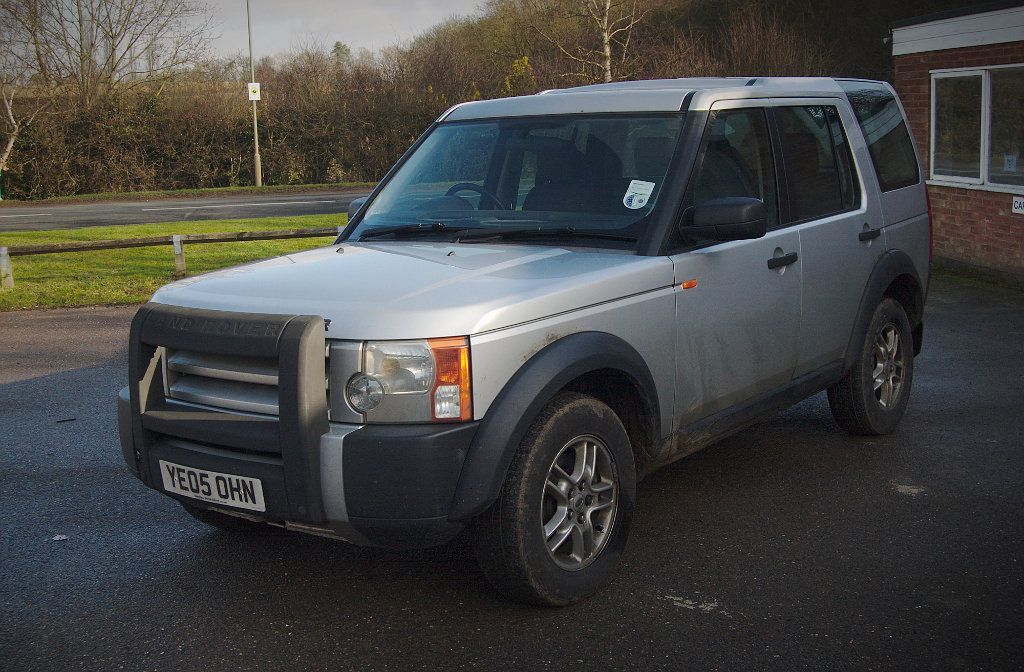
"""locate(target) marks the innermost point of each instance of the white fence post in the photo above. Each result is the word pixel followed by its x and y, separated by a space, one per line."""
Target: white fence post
pixel 6 274
pixel 179 256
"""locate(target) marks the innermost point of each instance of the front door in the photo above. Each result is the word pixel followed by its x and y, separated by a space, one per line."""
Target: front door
pixel 738 302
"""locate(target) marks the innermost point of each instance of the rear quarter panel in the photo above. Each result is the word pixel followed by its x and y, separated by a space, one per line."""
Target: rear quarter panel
pixel 912 236
pixel 905 213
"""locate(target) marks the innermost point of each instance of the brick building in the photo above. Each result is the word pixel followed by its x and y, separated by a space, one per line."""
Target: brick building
pixel 960 75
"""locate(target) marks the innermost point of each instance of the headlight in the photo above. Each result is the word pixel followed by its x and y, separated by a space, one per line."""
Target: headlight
pixel 364 393
pixel 413 381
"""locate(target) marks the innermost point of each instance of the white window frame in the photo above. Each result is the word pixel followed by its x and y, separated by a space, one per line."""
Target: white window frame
pixel 982 182
pixel 983 140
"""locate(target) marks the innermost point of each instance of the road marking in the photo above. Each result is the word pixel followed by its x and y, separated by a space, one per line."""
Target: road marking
pixel 702 605
pixel 908 490
pixel 34 214
pixel 236 205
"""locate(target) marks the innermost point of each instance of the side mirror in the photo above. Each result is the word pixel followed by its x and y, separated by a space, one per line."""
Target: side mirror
pixel 355 206
pixel 732 218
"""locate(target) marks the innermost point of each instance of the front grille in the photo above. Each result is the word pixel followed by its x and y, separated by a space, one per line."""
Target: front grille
pixel 249 384
pixel 238 383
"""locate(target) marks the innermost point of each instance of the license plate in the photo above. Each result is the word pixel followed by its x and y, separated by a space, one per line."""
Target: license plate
pixel 209 486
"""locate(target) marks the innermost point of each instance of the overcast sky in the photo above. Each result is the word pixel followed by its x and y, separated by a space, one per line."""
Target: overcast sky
pixel 278 25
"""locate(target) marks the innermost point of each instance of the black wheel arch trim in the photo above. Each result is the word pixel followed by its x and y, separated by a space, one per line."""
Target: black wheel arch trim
pixel 889 266
pixel 521 400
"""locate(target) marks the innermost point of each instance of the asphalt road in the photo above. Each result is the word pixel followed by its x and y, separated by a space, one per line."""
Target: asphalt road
pixel 790 546
pixel 38 217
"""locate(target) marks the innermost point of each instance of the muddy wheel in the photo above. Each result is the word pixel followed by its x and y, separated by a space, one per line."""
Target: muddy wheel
pixel 561 522
pixel 872 398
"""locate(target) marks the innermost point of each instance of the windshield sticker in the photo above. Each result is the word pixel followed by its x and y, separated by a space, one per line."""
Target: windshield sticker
pixel 637 194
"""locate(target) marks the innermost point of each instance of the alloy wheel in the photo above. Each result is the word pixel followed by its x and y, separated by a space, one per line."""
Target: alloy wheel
pixel 890 368
pixel 579 502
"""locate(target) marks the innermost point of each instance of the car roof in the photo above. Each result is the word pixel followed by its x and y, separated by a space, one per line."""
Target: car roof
pixel 652 95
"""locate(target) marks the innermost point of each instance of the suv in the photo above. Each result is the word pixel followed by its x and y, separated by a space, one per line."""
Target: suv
pixel 545 299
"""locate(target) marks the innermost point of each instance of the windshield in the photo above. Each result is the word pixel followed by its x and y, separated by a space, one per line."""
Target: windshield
pixel 594 177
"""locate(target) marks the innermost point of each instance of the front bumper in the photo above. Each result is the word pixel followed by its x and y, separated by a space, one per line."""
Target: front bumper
pixel 383 485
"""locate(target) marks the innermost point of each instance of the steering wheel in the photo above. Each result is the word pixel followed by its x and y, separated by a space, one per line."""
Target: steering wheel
pixel 469 186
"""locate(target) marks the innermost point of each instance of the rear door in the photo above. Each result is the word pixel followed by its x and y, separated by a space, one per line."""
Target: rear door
pixel 737 318
pixel 831 199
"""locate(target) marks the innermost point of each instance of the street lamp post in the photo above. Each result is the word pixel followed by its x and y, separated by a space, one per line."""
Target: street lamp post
pixel 255 125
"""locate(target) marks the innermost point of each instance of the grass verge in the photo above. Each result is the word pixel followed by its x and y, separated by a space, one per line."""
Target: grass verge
pixel 191 193
pixel 111 277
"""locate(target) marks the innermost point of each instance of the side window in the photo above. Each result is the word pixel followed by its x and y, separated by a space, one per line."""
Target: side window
pixel 737 161
pixel 885 131
pixel 818 182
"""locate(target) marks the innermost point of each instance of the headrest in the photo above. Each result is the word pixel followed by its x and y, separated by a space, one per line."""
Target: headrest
pixel 803 147
pixel 559 162
pixel 651 155
pixel 602 163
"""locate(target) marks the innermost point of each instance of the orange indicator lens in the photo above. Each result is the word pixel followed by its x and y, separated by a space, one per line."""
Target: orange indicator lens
pixel 451 362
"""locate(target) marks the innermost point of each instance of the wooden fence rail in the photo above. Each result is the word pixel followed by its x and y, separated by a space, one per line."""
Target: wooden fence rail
pixel 176 241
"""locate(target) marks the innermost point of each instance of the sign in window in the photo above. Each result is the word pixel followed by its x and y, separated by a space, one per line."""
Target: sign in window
pixel 1006 165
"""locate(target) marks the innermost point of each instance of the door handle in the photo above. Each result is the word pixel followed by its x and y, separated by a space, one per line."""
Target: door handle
pixel 868 234
pixel 784 260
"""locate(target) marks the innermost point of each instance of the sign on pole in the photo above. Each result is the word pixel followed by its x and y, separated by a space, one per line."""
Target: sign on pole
pixel 254 91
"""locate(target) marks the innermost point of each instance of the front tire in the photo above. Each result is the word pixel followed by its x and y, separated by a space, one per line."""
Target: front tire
pixel 872 398
pixel 562 520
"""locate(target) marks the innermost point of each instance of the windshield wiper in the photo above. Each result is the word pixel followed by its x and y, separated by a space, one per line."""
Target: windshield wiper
pixel 435 227
pixel 476 235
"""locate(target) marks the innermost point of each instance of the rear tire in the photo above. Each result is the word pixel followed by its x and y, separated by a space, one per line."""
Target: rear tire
pixel 872 398
pixel 559 526
pixel 232 524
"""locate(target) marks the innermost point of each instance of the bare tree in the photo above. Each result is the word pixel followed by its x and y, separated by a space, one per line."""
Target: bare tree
pixel 92 47
pixel 15 123
pixel 16 119
pixel 759 40
pixel 595 35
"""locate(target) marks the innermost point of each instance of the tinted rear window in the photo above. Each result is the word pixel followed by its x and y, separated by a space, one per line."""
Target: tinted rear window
pixel 892 151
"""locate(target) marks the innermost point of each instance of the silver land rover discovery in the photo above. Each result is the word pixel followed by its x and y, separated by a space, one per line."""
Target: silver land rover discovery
pixel 545 299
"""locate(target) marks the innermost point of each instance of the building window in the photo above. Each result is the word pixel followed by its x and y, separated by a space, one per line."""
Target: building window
pixel 1006 163
pixel 977 126
pixel 957 118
